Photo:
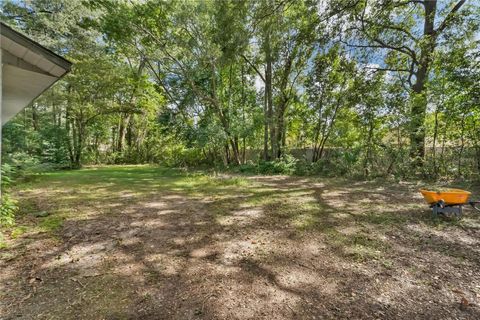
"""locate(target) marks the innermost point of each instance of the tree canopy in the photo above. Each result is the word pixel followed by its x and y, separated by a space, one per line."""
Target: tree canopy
pixel 357 87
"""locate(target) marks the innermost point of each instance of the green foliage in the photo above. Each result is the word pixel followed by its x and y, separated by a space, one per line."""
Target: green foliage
pixel 3 243
pixel 287 164
pixel 274 87
pixel 8 206
pixel 51 223
pixel 8 209
pixel 18 231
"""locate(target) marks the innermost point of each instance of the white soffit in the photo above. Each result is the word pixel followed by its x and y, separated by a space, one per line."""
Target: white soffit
pixel 28 69
pixel 20 87
pixel 33 58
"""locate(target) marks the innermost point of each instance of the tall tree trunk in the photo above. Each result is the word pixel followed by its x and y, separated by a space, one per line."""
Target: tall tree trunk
pixel 265 127
pixel 476 144
pixel 316 136
pixel 75 141
pixel 227 155
pixel 283 104
pixel 280 129
pixel 96 143
pixel 244 150
pixel 269 94
pixel 477 151
pixel 120 137
pixel 68 127
pixel 236 150
pixel 79 141
pixel 243 112
pixel 35 117
pixel 130 132
pixel 114 140
pixel 122 131
pixel 419 98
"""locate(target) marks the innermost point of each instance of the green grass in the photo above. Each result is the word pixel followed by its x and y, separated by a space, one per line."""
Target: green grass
pixel 3 243
pixel 51 223
pixel 69 192
pixel 80 194
pixel 359 246
pixel 18 231
pixel 182 219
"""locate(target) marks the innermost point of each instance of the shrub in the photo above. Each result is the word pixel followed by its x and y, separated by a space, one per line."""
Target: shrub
pixel 287 164
pixel 303 168
pixel 248 167
pixel 7 210
pixel 8 205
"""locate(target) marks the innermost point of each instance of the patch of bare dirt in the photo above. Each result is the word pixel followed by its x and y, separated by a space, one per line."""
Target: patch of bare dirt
pixel 358 253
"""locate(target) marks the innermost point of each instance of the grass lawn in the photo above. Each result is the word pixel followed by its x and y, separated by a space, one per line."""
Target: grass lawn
pixel 145 242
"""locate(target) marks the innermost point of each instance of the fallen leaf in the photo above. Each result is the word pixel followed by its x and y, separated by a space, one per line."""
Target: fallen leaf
pixel 34 279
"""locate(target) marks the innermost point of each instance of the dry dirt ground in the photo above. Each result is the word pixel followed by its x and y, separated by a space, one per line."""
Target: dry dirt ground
pixel 144 242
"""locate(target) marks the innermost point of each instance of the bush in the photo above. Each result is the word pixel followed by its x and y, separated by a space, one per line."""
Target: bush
pixel 303 168
pixel 287 164
pixel 248 167
pixel 19 161
pixel 8 205
pixel 7 210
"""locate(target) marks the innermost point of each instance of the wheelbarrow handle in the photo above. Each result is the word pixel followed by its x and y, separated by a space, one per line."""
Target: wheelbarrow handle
pixel 475 205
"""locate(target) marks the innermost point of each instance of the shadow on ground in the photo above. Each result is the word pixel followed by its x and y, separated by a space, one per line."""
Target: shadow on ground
pixel 152 243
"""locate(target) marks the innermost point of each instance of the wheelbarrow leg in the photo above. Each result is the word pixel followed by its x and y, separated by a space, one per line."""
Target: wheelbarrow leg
pixel 437 208
pixel 435 211
pixel 441 208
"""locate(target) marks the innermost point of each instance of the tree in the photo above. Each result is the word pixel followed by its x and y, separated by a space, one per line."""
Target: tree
pixel 329 88
pixel 376 84
pixel 408 50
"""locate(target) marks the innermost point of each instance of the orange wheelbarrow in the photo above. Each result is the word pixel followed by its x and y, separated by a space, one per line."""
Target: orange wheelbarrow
pixel 448 202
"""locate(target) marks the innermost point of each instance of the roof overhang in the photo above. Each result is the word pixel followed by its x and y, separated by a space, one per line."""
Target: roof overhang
pixel 28 69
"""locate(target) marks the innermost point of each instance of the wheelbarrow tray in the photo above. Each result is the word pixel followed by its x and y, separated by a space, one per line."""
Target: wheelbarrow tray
pixel 450 196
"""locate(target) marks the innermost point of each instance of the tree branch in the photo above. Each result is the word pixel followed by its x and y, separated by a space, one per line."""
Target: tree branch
pixel 382 45
pixel 393 27
pixel 387 69
pixel 254 68
pixel 449 17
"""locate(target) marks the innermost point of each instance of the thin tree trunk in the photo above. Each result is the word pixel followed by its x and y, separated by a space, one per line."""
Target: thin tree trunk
pixel 462 146
pixel 327 131
pixel 434 144
pixel 444 139
pixel 368 154
pixel 244 151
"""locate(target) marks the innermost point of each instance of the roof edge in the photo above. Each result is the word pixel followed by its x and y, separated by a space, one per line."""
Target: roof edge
pixel 28 43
